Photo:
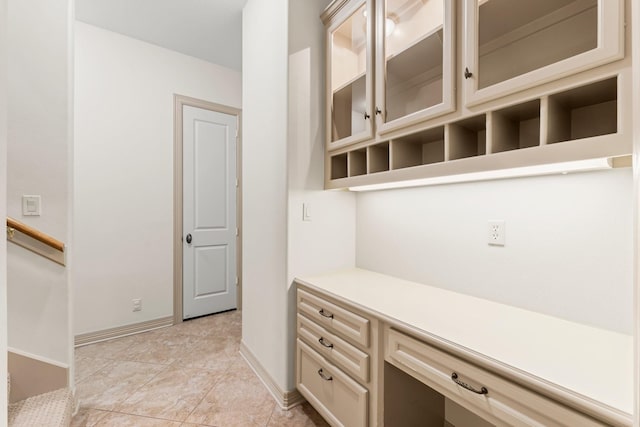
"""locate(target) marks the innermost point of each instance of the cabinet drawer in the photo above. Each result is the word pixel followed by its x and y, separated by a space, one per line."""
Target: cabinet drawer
pixel 504 402
pixel 338 398
pixel 346 324
pixel 337 350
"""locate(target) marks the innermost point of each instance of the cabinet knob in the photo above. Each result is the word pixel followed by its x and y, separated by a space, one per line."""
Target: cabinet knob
pixel 467 74
pixel 378 111
pixel 366 116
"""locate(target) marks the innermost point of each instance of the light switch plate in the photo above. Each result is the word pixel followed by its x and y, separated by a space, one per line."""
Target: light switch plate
pixel 31 205
pixel 306 212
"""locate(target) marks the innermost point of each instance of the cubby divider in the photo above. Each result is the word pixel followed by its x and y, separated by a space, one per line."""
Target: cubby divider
pixel 516 127
pixel 379 157
pixel 339 166
pixel 583 112
pixel 358 162
pixel 586 111
pixel 417 149
pixel 468 137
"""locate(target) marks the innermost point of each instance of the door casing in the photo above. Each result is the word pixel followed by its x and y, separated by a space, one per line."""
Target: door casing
pixel 179 102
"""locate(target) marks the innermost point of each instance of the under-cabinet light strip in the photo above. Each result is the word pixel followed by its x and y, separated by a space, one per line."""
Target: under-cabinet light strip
pixel 546 169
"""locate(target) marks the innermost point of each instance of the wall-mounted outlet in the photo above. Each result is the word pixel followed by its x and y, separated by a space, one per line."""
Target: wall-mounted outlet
pixel 137 304
pixel 496 235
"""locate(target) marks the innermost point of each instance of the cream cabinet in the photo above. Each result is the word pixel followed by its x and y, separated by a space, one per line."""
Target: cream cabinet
pixel 389 65
pixel 336 359
pixel 510 45
pixel 539 82
pixel 374 350
pixel 350 74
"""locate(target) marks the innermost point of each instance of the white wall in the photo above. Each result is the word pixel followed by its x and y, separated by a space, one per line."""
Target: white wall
pixel 264 167
pixel 124 171
pixel 327 242
pixel 3 207
pixel 38 114
pixel 283 135
pixel 569 244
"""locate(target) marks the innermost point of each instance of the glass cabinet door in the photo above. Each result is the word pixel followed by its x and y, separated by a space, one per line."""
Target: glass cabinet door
pixel 415 63
pixel 350 81
pixel 514 44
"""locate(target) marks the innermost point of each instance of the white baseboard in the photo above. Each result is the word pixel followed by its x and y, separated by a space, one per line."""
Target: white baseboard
pixel 285 399
pixel 121 331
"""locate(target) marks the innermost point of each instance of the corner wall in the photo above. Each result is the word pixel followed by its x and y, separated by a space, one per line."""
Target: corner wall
pixel 3 208
pixel 264 198
pixel 123 168
pixel 37 157
pixel 327 241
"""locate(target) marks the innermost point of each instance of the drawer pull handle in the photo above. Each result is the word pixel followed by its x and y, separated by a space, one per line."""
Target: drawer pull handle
pixel 455 379
pixel 324 343
pixel 325 314
pixel 323 376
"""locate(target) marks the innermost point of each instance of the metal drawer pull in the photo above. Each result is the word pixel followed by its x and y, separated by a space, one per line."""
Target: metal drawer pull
pixel 324 343
pixel 455 379
pixel 323 376
pixel 325 314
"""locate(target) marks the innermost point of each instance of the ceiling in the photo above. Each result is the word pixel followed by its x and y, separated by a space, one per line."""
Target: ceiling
pixel 207 29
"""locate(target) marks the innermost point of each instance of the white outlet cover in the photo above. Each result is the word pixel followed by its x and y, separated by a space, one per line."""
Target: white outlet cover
pixel 496 233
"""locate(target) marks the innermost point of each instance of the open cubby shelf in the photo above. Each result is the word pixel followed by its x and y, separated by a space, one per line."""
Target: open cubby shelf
pixel 583 112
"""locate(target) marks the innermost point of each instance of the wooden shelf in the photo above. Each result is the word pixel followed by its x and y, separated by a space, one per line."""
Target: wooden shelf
pixel 468 138
pixel 339 166
pixel 379 157
pixel 583 112
pixel 358 162
pixel 516 127
pixel 422 148
pixel 559 127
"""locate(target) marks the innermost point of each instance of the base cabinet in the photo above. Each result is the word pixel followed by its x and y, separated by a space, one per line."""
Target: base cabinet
pixel 358 366
pixel 342 401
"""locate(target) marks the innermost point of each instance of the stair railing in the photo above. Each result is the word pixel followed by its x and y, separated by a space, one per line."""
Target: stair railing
pixel 35 241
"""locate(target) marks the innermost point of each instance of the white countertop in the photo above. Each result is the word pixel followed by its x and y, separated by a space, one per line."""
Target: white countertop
pixel 592 362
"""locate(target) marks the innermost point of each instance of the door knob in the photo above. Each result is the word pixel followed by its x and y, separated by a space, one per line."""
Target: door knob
pixel 189 238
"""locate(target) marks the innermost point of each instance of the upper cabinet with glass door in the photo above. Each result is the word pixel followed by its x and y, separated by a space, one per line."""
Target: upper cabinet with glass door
pixel 349 75
pixel 511 45
pixel 414 61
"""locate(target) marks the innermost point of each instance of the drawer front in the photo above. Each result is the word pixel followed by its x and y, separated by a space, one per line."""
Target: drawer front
pixel 504 402
pixel 335 349
pixel 338 398
pixel 345 323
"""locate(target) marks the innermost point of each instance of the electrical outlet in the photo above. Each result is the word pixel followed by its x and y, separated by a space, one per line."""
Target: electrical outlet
pixel 137 304
pixel 496 234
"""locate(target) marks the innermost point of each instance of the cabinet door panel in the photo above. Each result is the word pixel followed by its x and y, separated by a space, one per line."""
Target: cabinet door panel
pixel 514 44
pixel 415 61
pixel 349 77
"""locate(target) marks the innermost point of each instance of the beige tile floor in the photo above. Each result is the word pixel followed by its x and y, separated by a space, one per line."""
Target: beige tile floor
pixel 187 375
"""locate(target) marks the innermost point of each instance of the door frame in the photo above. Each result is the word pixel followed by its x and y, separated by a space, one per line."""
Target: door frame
pixel 180 101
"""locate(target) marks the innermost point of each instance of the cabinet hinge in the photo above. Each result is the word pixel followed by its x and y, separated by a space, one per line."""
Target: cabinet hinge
pixel 237 232
pixel 236 280
pixel 237 183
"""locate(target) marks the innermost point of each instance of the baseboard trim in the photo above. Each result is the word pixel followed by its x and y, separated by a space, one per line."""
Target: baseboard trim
pixel 285 399
pixel 32 375
pixel 121 331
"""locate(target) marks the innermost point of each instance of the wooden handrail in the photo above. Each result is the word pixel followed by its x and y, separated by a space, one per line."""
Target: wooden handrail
pixel 35 234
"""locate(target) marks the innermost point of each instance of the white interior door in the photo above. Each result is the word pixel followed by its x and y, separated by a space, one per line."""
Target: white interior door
pixel 209 212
